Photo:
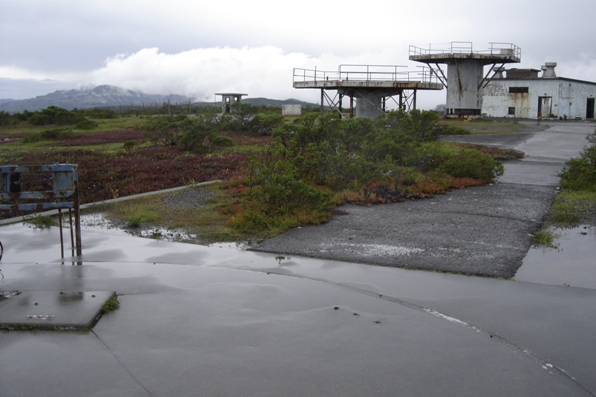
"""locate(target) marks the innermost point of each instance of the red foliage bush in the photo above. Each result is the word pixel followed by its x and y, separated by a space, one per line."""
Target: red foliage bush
pixel 106 176
pixel 100 138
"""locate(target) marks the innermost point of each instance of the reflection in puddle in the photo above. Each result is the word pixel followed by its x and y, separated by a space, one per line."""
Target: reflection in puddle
pixel 571 263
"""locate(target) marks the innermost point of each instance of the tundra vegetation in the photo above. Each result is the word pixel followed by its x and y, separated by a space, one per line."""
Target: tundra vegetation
pixel 277 172
pixel 576 202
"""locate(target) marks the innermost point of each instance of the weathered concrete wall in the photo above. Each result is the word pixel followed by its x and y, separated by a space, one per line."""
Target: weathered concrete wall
pixel 463 79
pixel 369 104
pixel 561 98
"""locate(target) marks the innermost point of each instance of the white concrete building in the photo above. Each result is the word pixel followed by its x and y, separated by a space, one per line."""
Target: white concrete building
pixel 522 93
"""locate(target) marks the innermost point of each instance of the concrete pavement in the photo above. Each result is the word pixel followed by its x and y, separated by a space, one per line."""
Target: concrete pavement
pixel 210 321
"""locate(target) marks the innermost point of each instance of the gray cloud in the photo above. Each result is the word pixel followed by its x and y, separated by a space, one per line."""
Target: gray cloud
pixel 201 47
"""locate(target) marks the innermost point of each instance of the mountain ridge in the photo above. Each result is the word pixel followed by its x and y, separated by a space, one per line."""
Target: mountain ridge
pixel 113 96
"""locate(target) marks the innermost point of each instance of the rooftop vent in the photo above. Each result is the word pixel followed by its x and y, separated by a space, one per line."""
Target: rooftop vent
pixel 548 70
pixel 498 72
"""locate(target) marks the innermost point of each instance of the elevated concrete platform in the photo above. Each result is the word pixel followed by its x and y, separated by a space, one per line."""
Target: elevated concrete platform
pixel 496 53
pixel 465 78
pixel 369 85
pixel 387 84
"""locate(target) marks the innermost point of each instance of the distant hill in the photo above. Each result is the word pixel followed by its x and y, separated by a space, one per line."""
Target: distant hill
pixel 111 96
pixel 100 96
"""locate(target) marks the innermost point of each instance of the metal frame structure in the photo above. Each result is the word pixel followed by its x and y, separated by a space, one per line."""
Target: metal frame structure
pixel 64 194
pixel 370 85
pixel 464 82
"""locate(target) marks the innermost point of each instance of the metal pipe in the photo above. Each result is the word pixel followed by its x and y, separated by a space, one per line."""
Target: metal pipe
pixel 61 236
pixel 71 232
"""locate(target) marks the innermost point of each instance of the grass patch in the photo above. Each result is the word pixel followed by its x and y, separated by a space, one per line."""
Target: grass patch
pixel 134 212
pixel 207 219
pixel 111 304
pixel 571 206
pixel 41 221
pixel 118 123
pixel 577 201
pixel 544 238
pixel 483 126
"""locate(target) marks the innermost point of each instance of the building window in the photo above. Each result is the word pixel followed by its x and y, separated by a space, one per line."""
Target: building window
pixel 518 90
pixel 511 111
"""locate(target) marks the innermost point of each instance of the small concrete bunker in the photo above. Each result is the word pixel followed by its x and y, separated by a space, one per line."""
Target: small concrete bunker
pixel 228 99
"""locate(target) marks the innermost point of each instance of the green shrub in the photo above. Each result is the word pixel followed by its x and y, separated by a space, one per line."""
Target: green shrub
pixel 459 162
pixel 48 135
pixel 580 173
pixel 128 146
pixel 445 129
pixel 188 133
pixel 265 124
pixel 280 190
pixel 86 125
pixel 41 221
pixel 54 115
pixel 222 141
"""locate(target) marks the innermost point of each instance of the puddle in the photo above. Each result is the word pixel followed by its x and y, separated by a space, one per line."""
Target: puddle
pixel 571 263
pixel 98 223
pixel 242 245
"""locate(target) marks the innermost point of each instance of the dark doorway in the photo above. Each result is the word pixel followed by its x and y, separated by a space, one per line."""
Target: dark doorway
pixel 544 106
pixel 590 108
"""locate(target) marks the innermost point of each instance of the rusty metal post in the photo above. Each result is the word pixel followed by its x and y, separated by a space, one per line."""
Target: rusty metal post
pixel 77 219
pixel 72 245
pixel 61 234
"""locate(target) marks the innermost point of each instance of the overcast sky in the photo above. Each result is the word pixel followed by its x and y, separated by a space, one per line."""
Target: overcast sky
pixel 198 48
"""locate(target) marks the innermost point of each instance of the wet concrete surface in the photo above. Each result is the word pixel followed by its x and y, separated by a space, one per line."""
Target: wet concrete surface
pixel 220 321
pixel 211 321
pixel 571 262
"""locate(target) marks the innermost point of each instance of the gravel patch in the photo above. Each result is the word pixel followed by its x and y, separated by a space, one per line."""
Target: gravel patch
pixel 188 198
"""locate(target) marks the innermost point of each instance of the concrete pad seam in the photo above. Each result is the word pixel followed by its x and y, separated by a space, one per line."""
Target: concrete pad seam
pixel 132 376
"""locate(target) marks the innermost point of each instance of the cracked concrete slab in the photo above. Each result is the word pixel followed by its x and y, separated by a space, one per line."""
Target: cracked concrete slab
pixel 53 310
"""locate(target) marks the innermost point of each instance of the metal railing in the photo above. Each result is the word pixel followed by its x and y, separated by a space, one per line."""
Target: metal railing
pixel 350 72
pixel 466 47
